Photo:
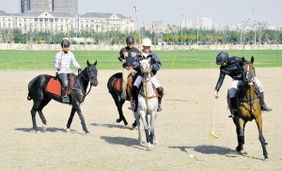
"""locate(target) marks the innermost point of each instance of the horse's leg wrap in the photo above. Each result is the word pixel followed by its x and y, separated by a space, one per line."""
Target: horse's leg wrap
pixel 241 140
pixel 147 136
pixel 151 138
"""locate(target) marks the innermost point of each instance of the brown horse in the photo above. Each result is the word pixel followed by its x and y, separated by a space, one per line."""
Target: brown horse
pixel 115 89
pixel 248 107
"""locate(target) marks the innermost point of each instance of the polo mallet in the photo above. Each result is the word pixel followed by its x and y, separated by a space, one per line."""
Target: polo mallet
pixel 212 133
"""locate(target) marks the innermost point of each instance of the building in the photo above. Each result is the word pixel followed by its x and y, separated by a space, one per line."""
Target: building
pixel 67 6
pixel 186 23
pixel 206 23
pixel 64 22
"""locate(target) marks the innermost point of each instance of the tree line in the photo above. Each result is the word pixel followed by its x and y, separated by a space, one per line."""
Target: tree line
pixel 178 37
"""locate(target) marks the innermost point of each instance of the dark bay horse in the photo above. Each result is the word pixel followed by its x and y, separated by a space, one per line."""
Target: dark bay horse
pixel 248 107
pixel 114 87
pixel 37 92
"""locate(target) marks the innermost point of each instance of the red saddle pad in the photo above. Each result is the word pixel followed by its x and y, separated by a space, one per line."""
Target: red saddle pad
pixel 54 87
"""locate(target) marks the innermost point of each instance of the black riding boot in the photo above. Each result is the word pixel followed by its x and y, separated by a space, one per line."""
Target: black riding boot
pixel 233 104
pixel 160 91
pixel 263 105
pixel 65 98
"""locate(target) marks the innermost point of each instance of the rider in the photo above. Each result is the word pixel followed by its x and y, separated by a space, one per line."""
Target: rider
pixel 62 62
pixel 127 55
pixel 156 65
pixel 233 67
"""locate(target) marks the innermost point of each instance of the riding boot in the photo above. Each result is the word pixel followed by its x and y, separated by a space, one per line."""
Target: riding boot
pixel 262 103
pixel 233 105
pixel 65 98
pixel 160 91
pixel 133 99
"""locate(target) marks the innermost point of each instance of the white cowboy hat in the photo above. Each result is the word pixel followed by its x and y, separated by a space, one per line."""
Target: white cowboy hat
pixel 147 42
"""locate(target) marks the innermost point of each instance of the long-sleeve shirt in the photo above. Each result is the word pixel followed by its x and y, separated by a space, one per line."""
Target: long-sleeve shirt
pixel 64 60
pixel 234 69
pixel 128 54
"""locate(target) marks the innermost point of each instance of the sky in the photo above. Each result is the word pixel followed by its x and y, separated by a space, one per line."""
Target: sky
pixel 171 11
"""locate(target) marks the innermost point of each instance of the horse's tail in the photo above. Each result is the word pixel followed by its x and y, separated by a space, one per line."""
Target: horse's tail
pixel 29 97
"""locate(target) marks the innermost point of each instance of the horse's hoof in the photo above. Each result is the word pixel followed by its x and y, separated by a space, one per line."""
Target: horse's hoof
pixel 266 159
pixel 118 120
pixel 44 128
pixel 242 152
pixel 87 133
pixel 68 130
pixel 150 147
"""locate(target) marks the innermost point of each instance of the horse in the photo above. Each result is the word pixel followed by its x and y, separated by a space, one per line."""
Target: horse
pixel 248 108
pixel 147 105
pixel 41 97
pixel 114 87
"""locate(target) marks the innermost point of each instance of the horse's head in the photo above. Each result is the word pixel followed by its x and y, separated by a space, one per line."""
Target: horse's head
pixel 249 70
pixel 90 73
pixel 145 66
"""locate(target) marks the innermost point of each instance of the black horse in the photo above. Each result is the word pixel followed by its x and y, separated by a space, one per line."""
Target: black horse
pixel 40 97
pixel 114 87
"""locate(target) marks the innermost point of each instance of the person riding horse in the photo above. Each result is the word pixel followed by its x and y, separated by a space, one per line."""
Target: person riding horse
pixel 233 66
pixel 127 55
pixel 156 65
pixel 62 62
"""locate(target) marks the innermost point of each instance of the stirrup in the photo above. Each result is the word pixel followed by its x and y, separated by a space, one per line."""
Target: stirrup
pixel 232 116
pixel 66 99
pixel 265 108
pixel 123 95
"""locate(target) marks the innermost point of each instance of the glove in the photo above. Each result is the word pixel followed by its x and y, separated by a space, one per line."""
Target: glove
pixel 79 70
pixel 216 95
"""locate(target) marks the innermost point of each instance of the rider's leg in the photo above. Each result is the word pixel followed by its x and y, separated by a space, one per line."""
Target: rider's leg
pixel 125 74
pixel 64 81
pixel 134 93
pixel 160 91
pixel 233 97
pixel 260 89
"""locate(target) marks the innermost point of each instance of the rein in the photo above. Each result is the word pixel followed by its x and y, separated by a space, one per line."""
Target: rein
pixel 87 92
pixel 145 88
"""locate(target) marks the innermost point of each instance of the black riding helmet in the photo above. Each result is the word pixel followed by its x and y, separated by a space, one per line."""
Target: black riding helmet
pixel 130 40
pixel 65 43
pixel 221 57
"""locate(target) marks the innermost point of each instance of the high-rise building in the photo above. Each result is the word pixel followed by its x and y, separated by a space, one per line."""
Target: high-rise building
pixel 186 23
pixel 69 6
pixel 206 23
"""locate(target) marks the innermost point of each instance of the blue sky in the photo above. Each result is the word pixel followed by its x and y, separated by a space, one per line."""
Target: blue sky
pixel 171 11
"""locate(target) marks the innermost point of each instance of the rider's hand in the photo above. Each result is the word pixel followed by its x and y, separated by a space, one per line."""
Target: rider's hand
pixel 216 94
pixel 58 68
pixel 123 61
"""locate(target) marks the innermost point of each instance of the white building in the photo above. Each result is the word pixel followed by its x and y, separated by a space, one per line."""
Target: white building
pixel 186 23
pixel 206 23
pixel 65 22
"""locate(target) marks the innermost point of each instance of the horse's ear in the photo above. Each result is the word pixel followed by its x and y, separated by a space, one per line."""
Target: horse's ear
pixel 95 63
pixel 252 60
pixel 88 63
pixel 243 60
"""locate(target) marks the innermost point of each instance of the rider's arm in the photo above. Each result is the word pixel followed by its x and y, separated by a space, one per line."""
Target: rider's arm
pixel 74 62
pixel 57 61
pixel 156 63
pixel 220 81
pixel 121 57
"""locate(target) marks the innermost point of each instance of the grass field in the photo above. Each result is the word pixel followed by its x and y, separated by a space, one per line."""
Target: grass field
pixel 43 60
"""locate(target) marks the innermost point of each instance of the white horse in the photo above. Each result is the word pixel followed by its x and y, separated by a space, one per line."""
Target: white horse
pixel 147 105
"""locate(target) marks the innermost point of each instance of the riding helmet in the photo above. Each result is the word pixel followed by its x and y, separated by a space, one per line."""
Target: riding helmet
pixel 65 43
pixel 221 57
pixel 130 40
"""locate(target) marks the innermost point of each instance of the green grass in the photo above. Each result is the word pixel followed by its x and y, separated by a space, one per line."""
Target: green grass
pixel 43 60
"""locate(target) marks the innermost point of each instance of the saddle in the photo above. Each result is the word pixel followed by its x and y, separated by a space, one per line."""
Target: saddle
pixel 54 86
pixel 118 83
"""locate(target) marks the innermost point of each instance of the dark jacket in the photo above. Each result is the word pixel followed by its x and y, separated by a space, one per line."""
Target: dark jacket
pixel 128 54
pixel 154 60
pixel 234 69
